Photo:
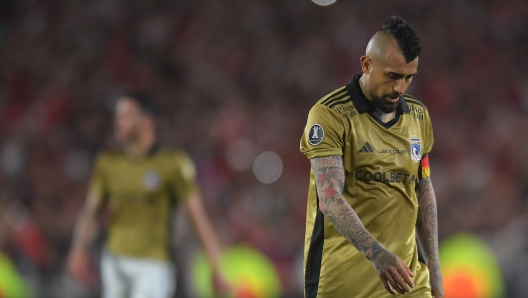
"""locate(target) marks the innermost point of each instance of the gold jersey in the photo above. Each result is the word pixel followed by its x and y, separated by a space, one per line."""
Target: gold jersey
pixel 382 164
pixel 141 196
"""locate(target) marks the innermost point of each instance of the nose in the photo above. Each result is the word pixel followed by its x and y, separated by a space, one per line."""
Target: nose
pixel 399 86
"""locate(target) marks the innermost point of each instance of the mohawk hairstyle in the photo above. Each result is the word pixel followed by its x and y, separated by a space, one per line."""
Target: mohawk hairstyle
pixel 145 103
pixel 406 37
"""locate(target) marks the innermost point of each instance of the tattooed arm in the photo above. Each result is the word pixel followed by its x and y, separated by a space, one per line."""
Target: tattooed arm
pixel 330 180
pixel 427 228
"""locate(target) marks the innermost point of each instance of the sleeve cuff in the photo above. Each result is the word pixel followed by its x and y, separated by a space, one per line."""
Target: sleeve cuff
pixel 322 153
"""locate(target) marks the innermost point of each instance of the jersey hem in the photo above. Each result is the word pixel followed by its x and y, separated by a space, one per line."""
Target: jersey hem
pixel 157 257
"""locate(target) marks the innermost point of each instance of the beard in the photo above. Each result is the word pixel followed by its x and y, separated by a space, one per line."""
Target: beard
pixel 386 107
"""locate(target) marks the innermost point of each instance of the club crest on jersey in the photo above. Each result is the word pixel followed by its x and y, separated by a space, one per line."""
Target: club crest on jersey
pixel 152 181
pixel 316 134
pixel 416 149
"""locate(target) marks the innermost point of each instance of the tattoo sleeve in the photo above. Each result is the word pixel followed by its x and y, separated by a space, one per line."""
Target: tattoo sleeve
pixel 329 177
pixel 427 228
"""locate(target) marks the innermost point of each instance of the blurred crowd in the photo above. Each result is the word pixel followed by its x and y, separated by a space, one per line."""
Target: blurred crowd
pixel 237 78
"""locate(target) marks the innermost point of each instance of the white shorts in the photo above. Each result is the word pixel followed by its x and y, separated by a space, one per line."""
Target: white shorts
pixel 126 277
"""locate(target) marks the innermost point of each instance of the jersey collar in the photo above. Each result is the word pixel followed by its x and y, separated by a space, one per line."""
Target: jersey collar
pixel 151 152
pixel 362 104
pixel 154 149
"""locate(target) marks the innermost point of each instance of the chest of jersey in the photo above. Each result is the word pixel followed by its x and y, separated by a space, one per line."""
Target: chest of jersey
pixel 136 183
pixel 375 153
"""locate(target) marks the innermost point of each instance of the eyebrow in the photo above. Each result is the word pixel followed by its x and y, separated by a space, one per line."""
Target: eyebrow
pixel 395 74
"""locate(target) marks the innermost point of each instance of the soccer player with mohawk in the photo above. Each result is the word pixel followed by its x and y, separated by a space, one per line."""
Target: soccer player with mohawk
pixel 371 200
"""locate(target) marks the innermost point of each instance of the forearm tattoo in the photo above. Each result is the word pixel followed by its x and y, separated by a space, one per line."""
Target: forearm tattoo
pixel 330 180
pixel 427 228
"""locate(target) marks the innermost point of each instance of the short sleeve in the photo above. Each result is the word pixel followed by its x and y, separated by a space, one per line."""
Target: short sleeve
pixel 185 177
pixel 324 133
pixel 424 170
pixel 428 134
pixel 98 183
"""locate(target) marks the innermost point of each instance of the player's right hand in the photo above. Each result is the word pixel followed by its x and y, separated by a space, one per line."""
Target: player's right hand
pixel 393 272
pixel 79 265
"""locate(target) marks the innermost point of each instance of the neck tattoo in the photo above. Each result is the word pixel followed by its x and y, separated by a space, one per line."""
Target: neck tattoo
pixel 384 117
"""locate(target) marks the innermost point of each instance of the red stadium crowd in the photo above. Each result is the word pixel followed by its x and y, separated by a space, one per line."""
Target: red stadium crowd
pixel 234 79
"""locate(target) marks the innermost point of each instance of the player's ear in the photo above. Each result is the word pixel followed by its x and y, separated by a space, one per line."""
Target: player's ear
pixel 366 64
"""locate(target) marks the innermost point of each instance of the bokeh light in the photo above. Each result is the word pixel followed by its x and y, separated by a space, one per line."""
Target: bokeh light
pixel 249 272
pixel 469 268
pixel 324 2
pixel 11 283
pixel 267 167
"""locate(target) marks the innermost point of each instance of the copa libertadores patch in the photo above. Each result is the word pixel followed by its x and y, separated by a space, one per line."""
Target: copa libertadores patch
pixel 316 134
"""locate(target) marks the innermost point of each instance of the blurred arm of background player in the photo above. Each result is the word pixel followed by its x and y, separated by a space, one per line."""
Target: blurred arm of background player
pixel 202 226
pixel 84 235
pixel 329 175
pixel 427 228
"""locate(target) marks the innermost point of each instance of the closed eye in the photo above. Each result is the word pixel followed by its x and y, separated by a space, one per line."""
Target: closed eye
pixel 394 76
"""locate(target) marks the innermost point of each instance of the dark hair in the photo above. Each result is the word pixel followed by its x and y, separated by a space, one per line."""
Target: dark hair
pixel 144 102
pixel 405 35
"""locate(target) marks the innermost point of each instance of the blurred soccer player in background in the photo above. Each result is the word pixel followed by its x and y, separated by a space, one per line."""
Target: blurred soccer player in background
pixel 368 144
pixel 141 184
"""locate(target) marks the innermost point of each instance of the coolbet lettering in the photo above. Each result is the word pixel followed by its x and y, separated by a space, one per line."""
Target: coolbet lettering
pixel 385 177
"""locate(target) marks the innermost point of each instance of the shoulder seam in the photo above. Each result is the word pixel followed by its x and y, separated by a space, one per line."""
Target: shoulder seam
pixel 336 94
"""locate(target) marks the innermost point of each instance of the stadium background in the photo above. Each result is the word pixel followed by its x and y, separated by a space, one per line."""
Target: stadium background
pixel 237 78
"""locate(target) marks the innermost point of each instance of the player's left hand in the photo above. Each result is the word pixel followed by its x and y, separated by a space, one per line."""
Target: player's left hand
pixel 393 272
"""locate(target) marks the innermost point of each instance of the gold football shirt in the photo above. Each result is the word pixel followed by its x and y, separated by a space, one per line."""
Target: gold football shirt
pixel 141 196
pixel 382 166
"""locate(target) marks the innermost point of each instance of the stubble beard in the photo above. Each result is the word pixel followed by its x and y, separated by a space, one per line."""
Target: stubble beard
pixel 384 106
